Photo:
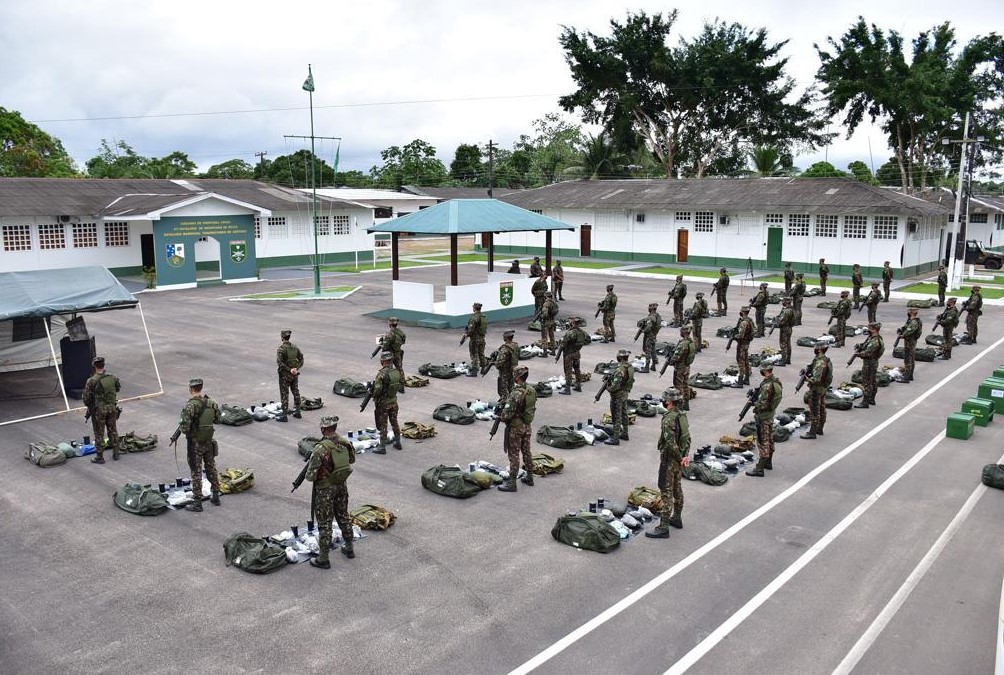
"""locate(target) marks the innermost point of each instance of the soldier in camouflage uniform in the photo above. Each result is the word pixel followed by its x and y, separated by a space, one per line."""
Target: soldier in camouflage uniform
pixel 548 320
pixel 536 269
pixel 506 358
pixel 764 407
pixel 698 313
pixel 518 413
pixel 572 342
pixel 857 281
pixel 872 301
pixel 101 398
pixel 198 416
pixel 870 351
pixel 649 327
pixel 477 328
pixel 539 289
pixel 328 468
pixel 674 444
pixel 948 320
pixel 393 342
pixel 910 333
pixel 797 293
pixel 289 360
pixel 681 359
pixel 785 320
pixel 789 278
pixel 621 381
pixel 887 275
pixel 721 289
pixel 677 294
pixel 824 274
pixel 974 308
pixel 942 285
pixel 386 386
pixel 842 312
pixel 608 305
pixel 759 305
pixel 744 336
pixel 558 280
pixel 819 377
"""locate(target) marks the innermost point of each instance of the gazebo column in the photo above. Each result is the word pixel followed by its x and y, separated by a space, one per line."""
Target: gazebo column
pixel 453 260
pixel 547 252
pixel 491 251
pixel 395 272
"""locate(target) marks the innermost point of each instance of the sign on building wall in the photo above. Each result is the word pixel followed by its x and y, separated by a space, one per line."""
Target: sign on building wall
pixel 174 243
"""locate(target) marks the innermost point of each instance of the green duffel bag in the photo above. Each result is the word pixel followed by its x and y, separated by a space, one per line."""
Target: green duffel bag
pixel 440 372
pixel 533 326
pixel 559 437
pixel 794 412
pixel 664 348
pixel 827 304
pixel 306 446
pixel 544 464
pixel 311 403
pixel 142 500
pixel 543 389
pixel 922 304
pixel 232 416
pixel 882 378
pixel 705 381
pixel 806 342
pixel 137 442
pixel 748 429
pixel 605 367
pixel 44 455
pixel 836 403
pixel 350 388
pixel 781 434
pixel 642 407
pixel 253 554
pixel 848 331
pixel 726 332
pixel 650 498
pixel 704 473
pixel 923 354
pixel 812 292
pixel 993 476
pixel 586 531
pixel 453 413
pixel 450 481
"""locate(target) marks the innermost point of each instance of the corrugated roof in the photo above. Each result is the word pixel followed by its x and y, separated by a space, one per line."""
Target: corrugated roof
pixel 444 193
pixel 471 216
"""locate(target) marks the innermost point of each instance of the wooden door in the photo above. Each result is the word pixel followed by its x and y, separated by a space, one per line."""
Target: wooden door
pixel 485 240
pixel 682 239
pixel 585 240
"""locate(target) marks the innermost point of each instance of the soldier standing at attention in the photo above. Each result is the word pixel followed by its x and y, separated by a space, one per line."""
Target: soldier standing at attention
pixel 101 398
pixel 721 291
pixel 910 333
pixel 974 308
pixel 819 377
pixel 698 313
pixel 517 413
pixel 506 359
pixel 744 336
pixel 289 360
pixel 857 281
pixel 477 328
pixel 386 386
pixel 328 468
pixel 681 359
pixel 608 305
pixel 393 342
pixel 824 274
pixel 949 320
pixel 539 290
pixel 649 327
pixel 789 278
pixel 558 280
pixel 536 270
pixel 514 268
pixel 942 285
pixel 843 312
pixel 872 301
pixel 548 319
pixel 677 294
pixel 870 351
pixel 886 280
pixel 759 304
pixel 620 385
pixel 764 407
pixel 797 293
pixel 674 444
pixel 572 342
pixel 198 416
pixel 785 320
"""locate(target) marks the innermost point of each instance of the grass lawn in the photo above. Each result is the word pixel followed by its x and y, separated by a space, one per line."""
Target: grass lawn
pixel 932 289
pixel 461 257
pixel 814 281
pixel 590 264
pixel 286 295
pixel 382 265
pixel 673 271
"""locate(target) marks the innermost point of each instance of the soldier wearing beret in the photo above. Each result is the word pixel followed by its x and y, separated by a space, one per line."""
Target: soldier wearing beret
pixel 198 417
pixel 386 386
pixel 101 398
pixel 289 360
pixel 328 468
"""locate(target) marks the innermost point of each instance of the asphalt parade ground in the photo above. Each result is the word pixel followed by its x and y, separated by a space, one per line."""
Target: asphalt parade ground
pixel 872 549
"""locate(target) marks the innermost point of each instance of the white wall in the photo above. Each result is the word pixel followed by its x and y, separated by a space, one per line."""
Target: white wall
pixel 37 258
pixel 299 237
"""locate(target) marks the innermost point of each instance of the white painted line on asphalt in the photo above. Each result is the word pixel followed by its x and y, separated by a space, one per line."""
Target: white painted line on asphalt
pixel 626 602
pixel 744 612
pixel 889 611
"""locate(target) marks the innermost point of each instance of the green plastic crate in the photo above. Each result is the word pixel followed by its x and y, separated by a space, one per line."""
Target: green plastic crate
pixel 992 389
pixel 999 372
pixel 960 425
pixel 981 409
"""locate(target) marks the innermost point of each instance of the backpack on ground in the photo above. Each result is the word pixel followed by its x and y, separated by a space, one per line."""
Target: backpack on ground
pixel 453 413
pixel 543 389
pixel 350 388
pixel 922 304
pixel 137 442
pixel 642 407
pixel 44 455
pixel 253 554
pixel 586 531
pixel 664 348
pixel 725 332
pixel 417 430
pixel 923 354
pixel 585 376
pixel 544 464
pixel 806 342
pixel 706 381
pixel 235 480
pixel 305 446
pixel 416 381
pixel 372 517
pixel 833 402
pixel 882 379
pixel 442 372
pixel 559 437
pixel 232 416
pixel 142 500
pixel 605 367
pixel 648 497
pixel 993 476
pixel 450 481
pixel 311 403
pixel 704 473
pixel 738 444
pixel 827 304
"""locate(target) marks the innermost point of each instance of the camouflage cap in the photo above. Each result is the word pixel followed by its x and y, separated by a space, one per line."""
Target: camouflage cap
pixel 951 301
pixel 610 287
pixel 910 311
pixel 766 367
pixel 874 284
pixel 98 362
pixel 329 422
pixel 679 277
pixel 799 275
pixel 941 267
pixel 285 334
pixel 822 260
pixel 549 294
pixel 623 353
pixel 723 270
pixel 392 319
pixel 672 394
pixel 684 330
pixel 744 310
pixel 843 293
pixel 477 305
pixel 653 305
pixel 386 356
pixel 509 335
pixel 786 300
pixel 536 257
pixel 886 263
pixel 520 371
pixel 763 284
pixel 875 325
pixel 574 321
pixel 699 295
pixel 557 262
pixel 195 382
pixel 977 288
pixel 821 347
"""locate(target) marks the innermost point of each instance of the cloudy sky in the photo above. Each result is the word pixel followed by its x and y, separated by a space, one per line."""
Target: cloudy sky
pixel 221 80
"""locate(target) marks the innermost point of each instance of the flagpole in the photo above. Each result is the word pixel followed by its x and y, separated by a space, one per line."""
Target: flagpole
pixel 313 188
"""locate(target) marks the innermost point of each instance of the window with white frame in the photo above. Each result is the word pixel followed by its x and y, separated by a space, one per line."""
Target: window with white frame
pixel 277 227
pixel 704 221
pixel 117 233
pixel 340 224
pixel 639 217
pixel 51 236
pixel 798 225
pixel 855 227
pixel 323 224
pixel 977 217
pixel 999 219
pixel 774 219
pixel 257 227
pixel 885 227
pixel 16 238
pixel 682 216
pixel 826 226
pixel 85 235
pixel 301 228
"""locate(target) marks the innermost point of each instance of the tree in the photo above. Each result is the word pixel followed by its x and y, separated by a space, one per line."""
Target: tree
pixel 861 172
pixel 768 160
pixel 414 164
pixel 694 104
pixel 600 159
pixel 118 161
pixel 294 170
pixel 232 168
pixel 468 167
pixel 555 146
pixel 822 170
pixel 175 165
pixel 27 151
pixel 353 179
pixel 920 102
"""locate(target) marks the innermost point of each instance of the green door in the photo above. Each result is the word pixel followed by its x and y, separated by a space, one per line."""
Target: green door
pixel 774 235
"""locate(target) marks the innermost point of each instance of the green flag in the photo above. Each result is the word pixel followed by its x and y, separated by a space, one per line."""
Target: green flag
pixel 308 84
pixel 337 150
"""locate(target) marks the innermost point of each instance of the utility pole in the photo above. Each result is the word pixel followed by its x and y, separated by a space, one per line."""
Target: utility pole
pixel 491 167
pixel 954 268
pixel 261 162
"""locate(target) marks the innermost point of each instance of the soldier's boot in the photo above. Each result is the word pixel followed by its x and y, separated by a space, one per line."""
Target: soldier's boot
pixel 320 563
pixel 677 519
pixel 347 550
pixel 863 403
pixel 195 507
pixel 509 485
pixel 769 464
pixel 577 387
pixel 397 442
pixel 214 498
pixel 100 459
pixel 659 532
pixel 115 453
pixel 612 338
pixel 296 413
pixel 757 471
pixel 809 434
pixel 624 436
pixel 527 479
pixel 566 390
pixel 612 441
pixel 380 449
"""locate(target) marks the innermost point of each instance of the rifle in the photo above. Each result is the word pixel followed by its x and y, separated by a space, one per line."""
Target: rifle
pixel 860 307
pixel 832 317
pixel 772 327
pixel 557 355
pixel 598 310
pixel 491 362
pixel 751 397
pixel 495 424
pixel 464 338
pixel 376 350
pixel 665 366
pixel 638 334
pixel 732 339
pixel 965 304
pixel 88 414
pixel 938 319
pixel 899 336
pixel 369 396
pixel 856 355
pixel 802 375
pixel 606 383
pixel 298 481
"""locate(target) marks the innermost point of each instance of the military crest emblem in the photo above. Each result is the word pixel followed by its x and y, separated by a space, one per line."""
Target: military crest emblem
pixel 505 293
pixel 238 251
pixel 175 254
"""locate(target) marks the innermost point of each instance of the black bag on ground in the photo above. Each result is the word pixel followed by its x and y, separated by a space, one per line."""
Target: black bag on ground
pixel 993 476
pixel 543 389
pixel 453 413
pixel 559 437
pixel 587 532
pixel 349 388
pixel 705 381
pixel 253 554
pixel 449 481
pixel 142 500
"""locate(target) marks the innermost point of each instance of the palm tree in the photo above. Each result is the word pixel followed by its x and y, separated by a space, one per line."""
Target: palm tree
pixel 766 161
